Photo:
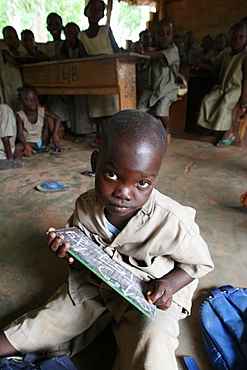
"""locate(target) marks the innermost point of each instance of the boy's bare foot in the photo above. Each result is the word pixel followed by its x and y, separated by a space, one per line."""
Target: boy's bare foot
pixel 243 199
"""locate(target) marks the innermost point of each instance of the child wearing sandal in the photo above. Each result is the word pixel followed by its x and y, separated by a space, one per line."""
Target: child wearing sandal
pixel 35 125
pixel 147 233
pixel 217 107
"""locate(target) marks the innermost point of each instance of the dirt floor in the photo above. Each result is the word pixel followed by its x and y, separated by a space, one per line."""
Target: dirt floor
pixel 195 173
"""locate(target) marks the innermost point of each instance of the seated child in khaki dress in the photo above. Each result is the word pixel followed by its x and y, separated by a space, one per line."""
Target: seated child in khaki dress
pixel 147 233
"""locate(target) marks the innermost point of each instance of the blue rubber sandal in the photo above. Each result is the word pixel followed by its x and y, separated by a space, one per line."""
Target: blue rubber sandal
pixel 42 150
pixel 52 185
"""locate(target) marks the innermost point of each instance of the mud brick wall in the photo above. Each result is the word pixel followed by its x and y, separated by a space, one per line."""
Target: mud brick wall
pixel 203 16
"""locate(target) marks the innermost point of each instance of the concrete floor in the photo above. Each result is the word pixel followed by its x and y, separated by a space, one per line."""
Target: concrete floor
pixel 195 173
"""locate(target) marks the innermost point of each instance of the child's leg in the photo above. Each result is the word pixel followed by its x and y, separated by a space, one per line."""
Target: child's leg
pixel 145 344
pixel 18 151
pixel 100 122
pixel 47 132
pixel 6 348
pixel 52 327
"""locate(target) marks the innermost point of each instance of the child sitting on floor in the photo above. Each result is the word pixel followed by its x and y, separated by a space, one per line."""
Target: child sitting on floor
pixel 35 125
pixel 161 89
pixel 147 233
pixel 7 138
pixel 217 107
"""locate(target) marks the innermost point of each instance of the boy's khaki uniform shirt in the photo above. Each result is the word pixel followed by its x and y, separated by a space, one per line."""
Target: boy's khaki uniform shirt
pixel 161 236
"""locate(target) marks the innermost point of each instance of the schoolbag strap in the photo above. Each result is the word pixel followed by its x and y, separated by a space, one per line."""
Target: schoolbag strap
pixel 190 363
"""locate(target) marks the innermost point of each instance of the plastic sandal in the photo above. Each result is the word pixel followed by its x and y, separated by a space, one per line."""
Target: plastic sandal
pixel 226 142
pixel 52 185
pixel 61 150
pixel 43 149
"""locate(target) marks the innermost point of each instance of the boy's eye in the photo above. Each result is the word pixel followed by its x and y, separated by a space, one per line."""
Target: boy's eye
pixel 111 175
pixel 143 184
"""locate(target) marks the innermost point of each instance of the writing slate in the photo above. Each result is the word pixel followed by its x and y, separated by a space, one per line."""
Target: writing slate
pixel 112 273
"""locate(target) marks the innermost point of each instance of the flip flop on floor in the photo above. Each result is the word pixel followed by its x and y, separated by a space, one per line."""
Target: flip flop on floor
pixel 7 164
pixel 52 185
pixel 61 150
pixel 43 149
pixel 226 142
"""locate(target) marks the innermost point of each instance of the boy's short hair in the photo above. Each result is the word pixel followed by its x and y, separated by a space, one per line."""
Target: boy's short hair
pixel 237 26
pixel 54 15
pixel 72 24
pixel 133 125
pixel 6 29
pixel 27 31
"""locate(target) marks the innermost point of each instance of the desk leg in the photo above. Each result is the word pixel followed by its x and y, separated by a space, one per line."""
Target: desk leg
pixel 127 85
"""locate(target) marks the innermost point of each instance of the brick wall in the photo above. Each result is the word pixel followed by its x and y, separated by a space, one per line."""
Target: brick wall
pixel 204 16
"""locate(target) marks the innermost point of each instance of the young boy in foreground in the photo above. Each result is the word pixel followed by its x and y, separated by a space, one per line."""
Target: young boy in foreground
pixel 148 233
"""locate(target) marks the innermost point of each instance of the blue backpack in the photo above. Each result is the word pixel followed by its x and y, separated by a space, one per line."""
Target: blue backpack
pixel 223 318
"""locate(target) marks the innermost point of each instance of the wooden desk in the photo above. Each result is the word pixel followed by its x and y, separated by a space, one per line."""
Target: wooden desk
pixel 99 75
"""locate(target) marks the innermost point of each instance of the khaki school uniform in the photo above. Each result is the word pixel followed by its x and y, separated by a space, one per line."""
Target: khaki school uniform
pixel 161 235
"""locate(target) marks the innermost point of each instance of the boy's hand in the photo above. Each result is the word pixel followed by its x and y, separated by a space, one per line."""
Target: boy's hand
pixel 160 294
pixel 28 151
pixel 57 245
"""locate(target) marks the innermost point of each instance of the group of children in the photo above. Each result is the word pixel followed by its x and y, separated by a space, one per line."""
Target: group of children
pixel 80 112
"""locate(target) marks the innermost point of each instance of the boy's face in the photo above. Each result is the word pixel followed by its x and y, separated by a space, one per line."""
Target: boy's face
pixel 146 39
pixel 28 41
pixel 12 39
pixel 238 40
pixel 54 25
pixel 71 33
pixel 126 174
pixel 164 36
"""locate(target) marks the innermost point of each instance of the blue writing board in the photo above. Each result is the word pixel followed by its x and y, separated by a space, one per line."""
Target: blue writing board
pixel 112 273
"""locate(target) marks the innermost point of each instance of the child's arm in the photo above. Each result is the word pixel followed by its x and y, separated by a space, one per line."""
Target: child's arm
pixel 204 64
pixel 27 148
pixel 114 44
pixel 57 121
pixel 154 54
pixel 10 58
pixel 7 147
pixel 243 97
pixel 162 290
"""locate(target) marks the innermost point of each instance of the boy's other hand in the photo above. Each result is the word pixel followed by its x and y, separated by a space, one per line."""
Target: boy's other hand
pixel 57 245
pixel 160 294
